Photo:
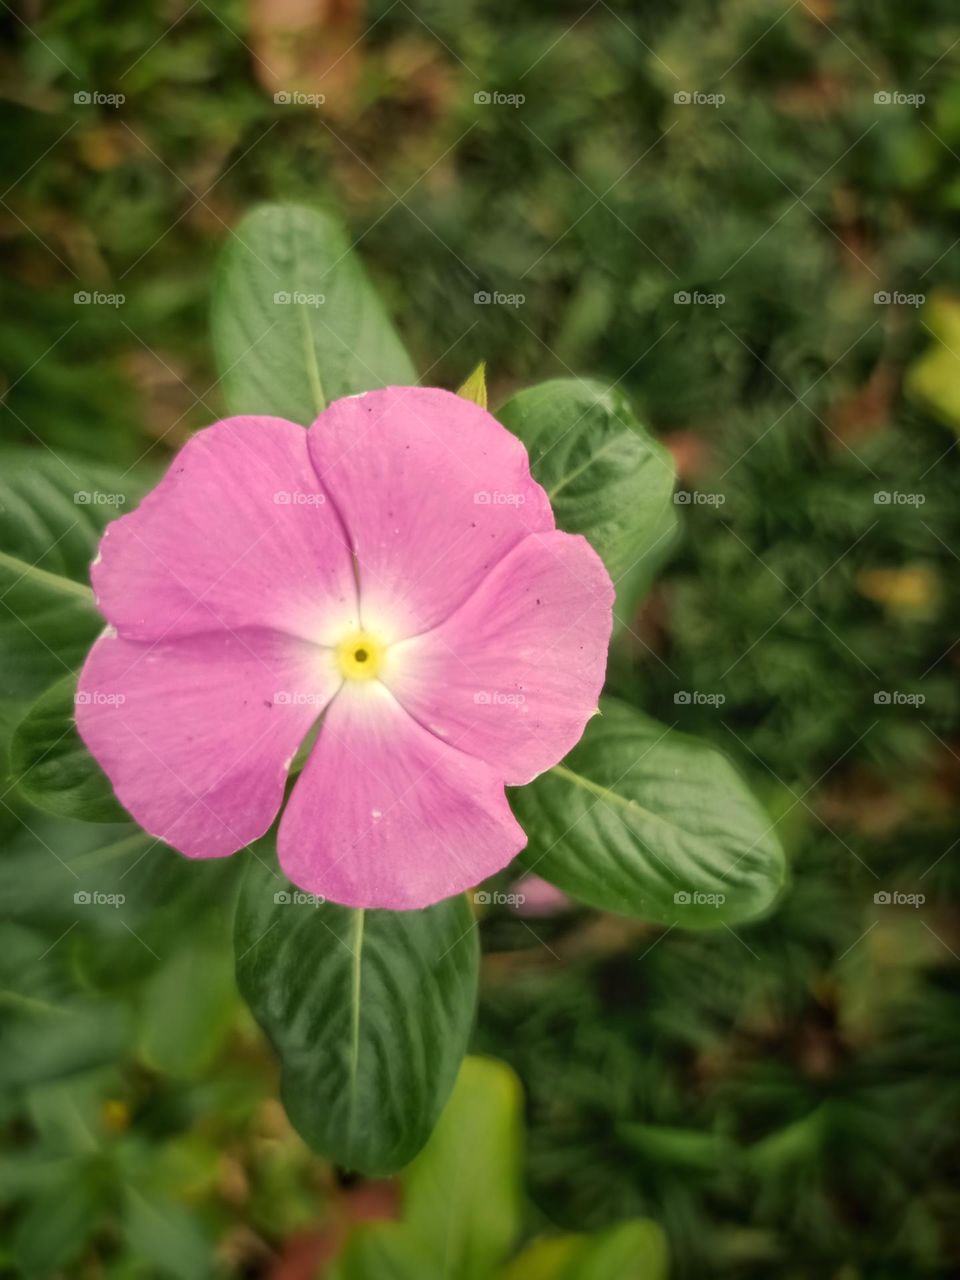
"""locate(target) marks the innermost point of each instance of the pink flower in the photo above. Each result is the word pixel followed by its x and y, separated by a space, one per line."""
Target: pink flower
pixel 394 572
pixel 538 897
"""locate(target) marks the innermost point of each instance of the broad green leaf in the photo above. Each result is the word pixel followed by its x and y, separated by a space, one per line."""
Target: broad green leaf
pixel 369 1012
pixel 187 1166
pixel 634 1250
pixel 52 513
pixel 51 766
pixel 933 379
pixel 296 322
pixel 606 476
pixel 67 1114
pixel 167 1237
pixel 179 1036
pixel 125 897
pixel 649 822
pixel 475 387
pixel 462 1193
pixel 59 1222
pixel 546 1258
pixel 385 1251
pixel 47 624
pixel 47 1030
pixel 30 1171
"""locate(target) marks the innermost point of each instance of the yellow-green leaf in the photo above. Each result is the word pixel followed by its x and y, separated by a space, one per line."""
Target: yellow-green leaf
pixel 475 387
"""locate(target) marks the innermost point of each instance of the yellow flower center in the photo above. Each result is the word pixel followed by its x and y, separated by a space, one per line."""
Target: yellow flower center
pixel 360 656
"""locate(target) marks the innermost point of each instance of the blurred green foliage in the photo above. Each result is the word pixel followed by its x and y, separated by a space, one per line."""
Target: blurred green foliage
pixel 782 1100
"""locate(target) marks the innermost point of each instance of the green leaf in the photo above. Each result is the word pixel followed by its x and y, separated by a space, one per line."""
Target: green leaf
pixel 646 821
pixel 29 1172
pixel 124 896
pixel 167 1236
pixel 606 476
pixel 51 766
pixel 385 1251
pixel 462 1193
pixel 179 1037
pixel 281 350
pixel 669 1147
pixel 546 1258
pixel 47 1030
pixel 932 379
pixel 634 1250
pixel 52 513
pixel 475 387
pixel 59 1222
pixel 369 1013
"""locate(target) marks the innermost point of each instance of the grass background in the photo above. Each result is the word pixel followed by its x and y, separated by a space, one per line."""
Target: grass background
pixel 782 1100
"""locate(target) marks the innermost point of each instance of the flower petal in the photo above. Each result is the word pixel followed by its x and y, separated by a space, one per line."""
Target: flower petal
pixel 197 734
pixel 433 491
pixel 238 533
pixel 387 815
pixel 514 675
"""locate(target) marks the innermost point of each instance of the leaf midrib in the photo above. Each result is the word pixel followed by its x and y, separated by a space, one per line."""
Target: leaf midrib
pixel 614 797
pixel 355 994
pixel 310 352
pixel 55 581
pixel 17 999
pixel 577 471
